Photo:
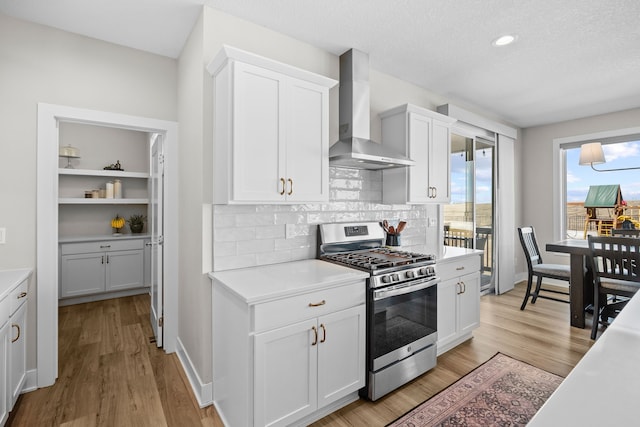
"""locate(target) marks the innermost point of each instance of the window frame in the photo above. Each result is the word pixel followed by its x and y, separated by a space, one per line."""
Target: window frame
pixel 560 168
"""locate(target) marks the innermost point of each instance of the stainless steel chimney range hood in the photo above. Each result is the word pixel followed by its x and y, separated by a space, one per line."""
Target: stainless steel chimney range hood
pixel 354 149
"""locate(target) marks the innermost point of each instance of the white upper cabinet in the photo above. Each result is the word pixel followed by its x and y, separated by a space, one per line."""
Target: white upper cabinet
pixel 271 131
pixel 425 137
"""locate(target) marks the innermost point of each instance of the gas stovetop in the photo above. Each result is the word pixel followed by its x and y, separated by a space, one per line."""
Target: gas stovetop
pixel 378 259
pixel 360 245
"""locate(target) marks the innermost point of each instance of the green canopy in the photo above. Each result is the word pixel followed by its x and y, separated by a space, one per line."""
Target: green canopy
pixel 603 196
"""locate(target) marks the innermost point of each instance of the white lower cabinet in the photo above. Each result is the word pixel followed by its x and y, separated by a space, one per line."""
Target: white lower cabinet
pixel 17 353
pixel 308 365
pixel 287 350
pixel 4 365
pixel 14 288
pixel 102 266
pixel 458 300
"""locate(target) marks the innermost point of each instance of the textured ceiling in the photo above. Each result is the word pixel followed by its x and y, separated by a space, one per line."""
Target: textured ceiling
pixel 572 58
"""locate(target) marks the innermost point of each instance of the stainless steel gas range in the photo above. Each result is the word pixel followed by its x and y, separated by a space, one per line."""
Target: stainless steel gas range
pixel 401 303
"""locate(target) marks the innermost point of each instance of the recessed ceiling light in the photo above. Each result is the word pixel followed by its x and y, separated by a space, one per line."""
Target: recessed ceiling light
pixel 504 40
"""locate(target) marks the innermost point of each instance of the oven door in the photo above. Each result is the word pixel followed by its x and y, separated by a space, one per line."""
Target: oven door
pixel 402 321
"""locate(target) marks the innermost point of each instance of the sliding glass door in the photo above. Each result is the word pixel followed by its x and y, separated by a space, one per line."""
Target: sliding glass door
pixel 469 218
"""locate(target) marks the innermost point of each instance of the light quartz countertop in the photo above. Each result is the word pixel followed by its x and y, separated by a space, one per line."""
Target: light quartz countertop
pixel 9 279
pixel 260 284
pixel 602 389
pixel 78 239
pixel 451 252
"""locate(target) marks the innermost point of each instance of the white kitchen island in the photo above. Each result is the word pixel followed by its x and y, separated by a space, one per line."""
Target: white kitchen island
pixel 603 388
pixel 288 342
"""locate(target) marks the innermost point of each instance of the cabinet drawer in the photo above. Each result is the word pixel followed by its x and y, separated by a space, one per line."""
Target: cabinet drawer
pixel 285 311
pixel 103 246
pixel 18 296
pixel 458 267
pixel 4 310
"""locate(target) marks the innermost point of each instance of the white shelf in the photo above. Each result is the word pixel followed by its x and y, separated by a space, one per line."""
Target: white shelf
pixel 85 201
pixel 109 173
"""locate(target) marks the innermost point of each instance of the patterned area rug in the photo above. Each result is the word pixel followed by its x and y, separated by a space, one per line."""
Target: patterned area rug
pixel 500 392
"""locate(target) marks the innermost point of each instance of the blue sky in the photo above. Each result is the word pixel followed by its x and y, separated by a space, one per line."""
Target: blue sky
pixel 483 177
pixel 622 155
pixel 579 178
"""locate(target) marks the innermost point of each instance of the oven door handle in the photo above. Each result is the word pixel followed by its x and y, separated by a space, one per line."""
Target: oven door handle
pixel 393 291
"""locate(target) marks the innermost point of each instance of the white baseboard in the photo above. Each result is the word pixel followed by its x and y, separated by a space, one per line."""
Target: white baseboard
pixel 203 392
pixel 31 381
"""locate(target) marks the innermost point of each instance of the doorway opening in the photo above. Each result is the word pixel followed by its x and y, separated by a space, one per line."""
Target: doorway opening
pixel 469 218
pixel 48 145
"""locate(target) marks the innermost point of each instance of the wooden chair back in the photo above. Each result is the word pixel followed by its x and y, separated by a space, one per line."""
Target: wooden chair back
pixel 530 246
pixel 622 232
pixel 615 258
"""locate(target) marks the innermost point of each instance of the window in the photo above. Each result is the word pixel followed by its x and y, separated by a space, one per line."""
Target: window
pixel 620 152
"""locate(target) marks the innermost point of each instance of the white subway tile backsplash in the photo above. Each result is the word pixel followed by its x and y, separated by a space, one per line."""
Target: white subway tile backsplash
pixel 270 232
pixel 224 249
pixel 255 219
pixel 256 246
pixel 233 234
pixel 274 257
pixel 249 235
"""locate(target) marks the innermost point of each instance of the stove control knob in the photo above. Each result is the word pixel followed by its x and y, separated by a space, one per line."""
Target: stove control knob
pixel 386 279
pixel 422 272
pixel 410 275
pixel 395 277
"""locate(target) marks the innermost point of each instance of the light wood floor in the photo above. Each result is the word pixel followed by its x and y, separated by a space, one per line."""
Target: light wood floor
pixel 111 375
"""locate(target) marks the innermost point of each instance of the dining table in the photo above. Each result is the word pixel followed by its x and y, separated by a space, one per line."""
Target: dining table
pixel 581 289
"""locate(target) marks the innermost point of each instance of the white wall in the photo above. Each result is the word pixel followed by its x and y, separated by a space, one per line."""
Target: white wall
pixel 537 186
pixel 195 112
pixel 41 64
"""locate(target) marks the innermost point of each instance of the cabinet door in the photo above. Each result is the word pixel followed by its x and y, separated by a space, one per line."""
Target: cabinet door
pixel 285 376
pixel 258 162
pixel 125 269
pixel 17 353
pixel 82 274
pixel 341 354
pixel 419 136
pixel 307 142
pixel 447 306
pixel 439 162
pixel 4 365
pixel 469 303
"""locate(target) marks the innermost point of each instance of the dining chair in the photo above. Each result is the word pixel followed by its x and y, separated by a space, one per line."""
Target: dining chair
pixel 616 271
pixel 536 267
pixel 625 232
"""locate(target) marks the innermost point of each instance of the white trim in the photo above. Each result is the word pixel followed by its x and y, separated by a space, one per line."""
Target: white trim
pixel 30 382
pixel 47 224
pixel 475 119
pixel 203 392
pixel 559 172
pixel 231 53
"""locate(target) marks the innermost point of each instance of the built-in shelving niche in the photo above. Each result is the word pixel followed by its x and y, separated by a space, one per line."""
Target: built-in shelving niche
pixel 100 146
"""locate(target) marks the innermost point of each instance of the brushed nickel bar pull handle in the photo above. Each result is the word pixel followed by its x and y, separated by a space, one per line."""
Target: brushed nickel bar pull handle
pixel 13 325
pixel 324 333
pixel 104 246
pixel 22 295
pixel 290 187
pixel 317 304
pixel 460 268
pixel 102 261
pixel 315 333
pixel 107 259
pixel 282 181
